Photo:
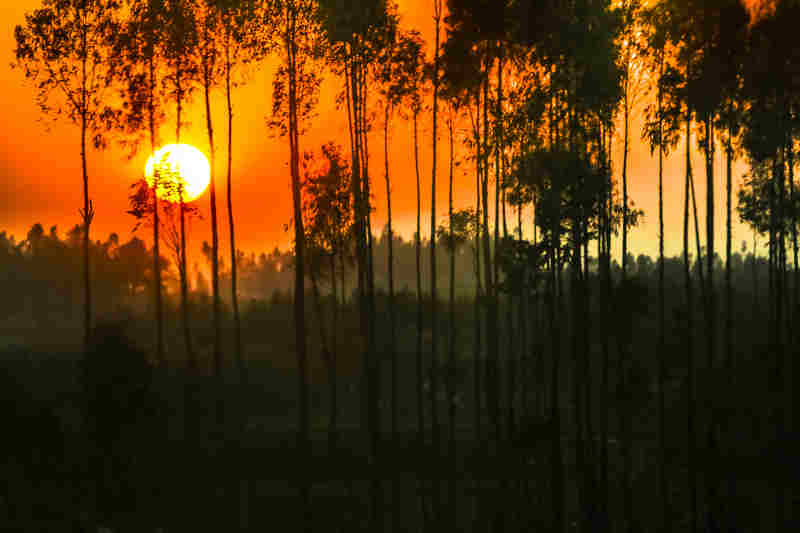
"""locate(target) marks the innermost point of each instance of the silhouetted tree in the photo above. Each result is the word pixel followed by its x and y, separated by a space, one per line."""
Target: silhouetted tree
pixel 243 41
pixel 294 95
pixel 328 223
pixel 62 49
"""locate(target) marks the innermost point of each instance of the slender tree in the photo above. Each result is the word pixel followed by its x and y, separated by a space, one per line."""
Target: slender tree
pixel 180 47
pixel 434 360
pixel 242 42
pixel 61 48
pixel 328 226
pixel 208 20
pixel 295 91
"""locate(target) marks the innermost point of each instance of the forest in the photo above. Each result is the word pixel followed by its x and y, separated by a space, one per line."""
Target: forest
pixel 493 372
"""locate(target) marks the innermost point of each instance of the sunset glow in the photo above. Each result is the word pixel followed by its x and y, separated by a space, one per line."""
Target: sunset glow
pixel 180 164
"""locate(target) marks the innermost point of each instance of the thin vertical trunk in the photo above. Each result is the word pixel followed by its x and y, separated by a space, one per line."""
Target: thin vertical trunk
pixel 796 284
pixel 625 149
pixel 699 261
pixel 392 320
pixel 237 326
pixel 156 223
pixel 663 492
pixel 605 266
pixel 498 173
pixel 498 185
pixel 778 336
pixel 373 366
pixel 625 412
pixel 557 477
pixel 729 355
pixel 712 480
pixel 333 418
pixel 434 362
pixel 419 361
pixel 577 327
pixel 299 292
pixel 476 369
pixel 418 251
pixel 88 211
pixel 754 273
pixel 452 344
pixel 490 383
pixel 689 342
pixel 207 80
pixel 477 358
pixel 184 284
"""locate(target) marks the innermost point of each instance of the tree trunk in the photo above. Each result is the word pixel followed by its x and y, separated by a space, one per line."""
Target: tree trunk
pixel 727 431
pixel 451 375
pixel 88 211
pixel 156 224
pixel 712 480
pixel 434 361
pixel 333 430
pixel 419 360
pixel 418 251
pixel 392 321
pixel 690 435
pixel 662 371
pixel 476 368
pixel 87 220
pixel 605 247
pixel 237 326
pixel 219 411
pixel 625 149
pixel 303 436
pixel 490 384
pixel 555 411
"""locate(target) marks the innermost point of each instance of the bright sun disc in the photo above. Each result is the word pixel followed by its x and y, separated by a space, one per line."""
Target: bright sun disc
pixel 181 166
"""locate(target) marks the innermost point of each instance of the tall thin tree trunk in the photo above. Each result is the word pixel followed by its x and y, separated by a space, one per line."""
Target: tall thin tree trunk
pixel 555 410
pixel 451 374
pixel 207 78
pixel 434 361
pixel 237 325
pixel 392 321
pixel 729 304
pixel 477 363
pixel 662 371
pixel 156 224
pixel 778 337
pixel 333 419
pixel 476 367
pixel 625 412
pixel 712 480
pixel 419 360
pixel 754 273
pixel 498 171
pixel 191 361
pixel 490 383
pixel 625 150
pixel 418 251
pixel 88 211
pixel 605 257
pixel 690 432
pixel 303 435
pixel 87 220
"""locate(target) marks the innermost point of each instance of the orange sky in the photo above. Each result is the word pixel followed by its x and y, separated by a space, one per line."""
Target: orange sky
pixel 40 165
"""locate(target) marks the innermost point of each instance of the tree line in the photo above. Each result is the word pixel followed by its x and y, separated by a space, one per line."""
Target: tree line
pixel 543 90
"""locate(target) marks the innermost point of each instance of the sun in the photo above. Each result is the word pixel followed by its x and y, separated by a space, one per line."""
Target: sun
pixel 182 169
